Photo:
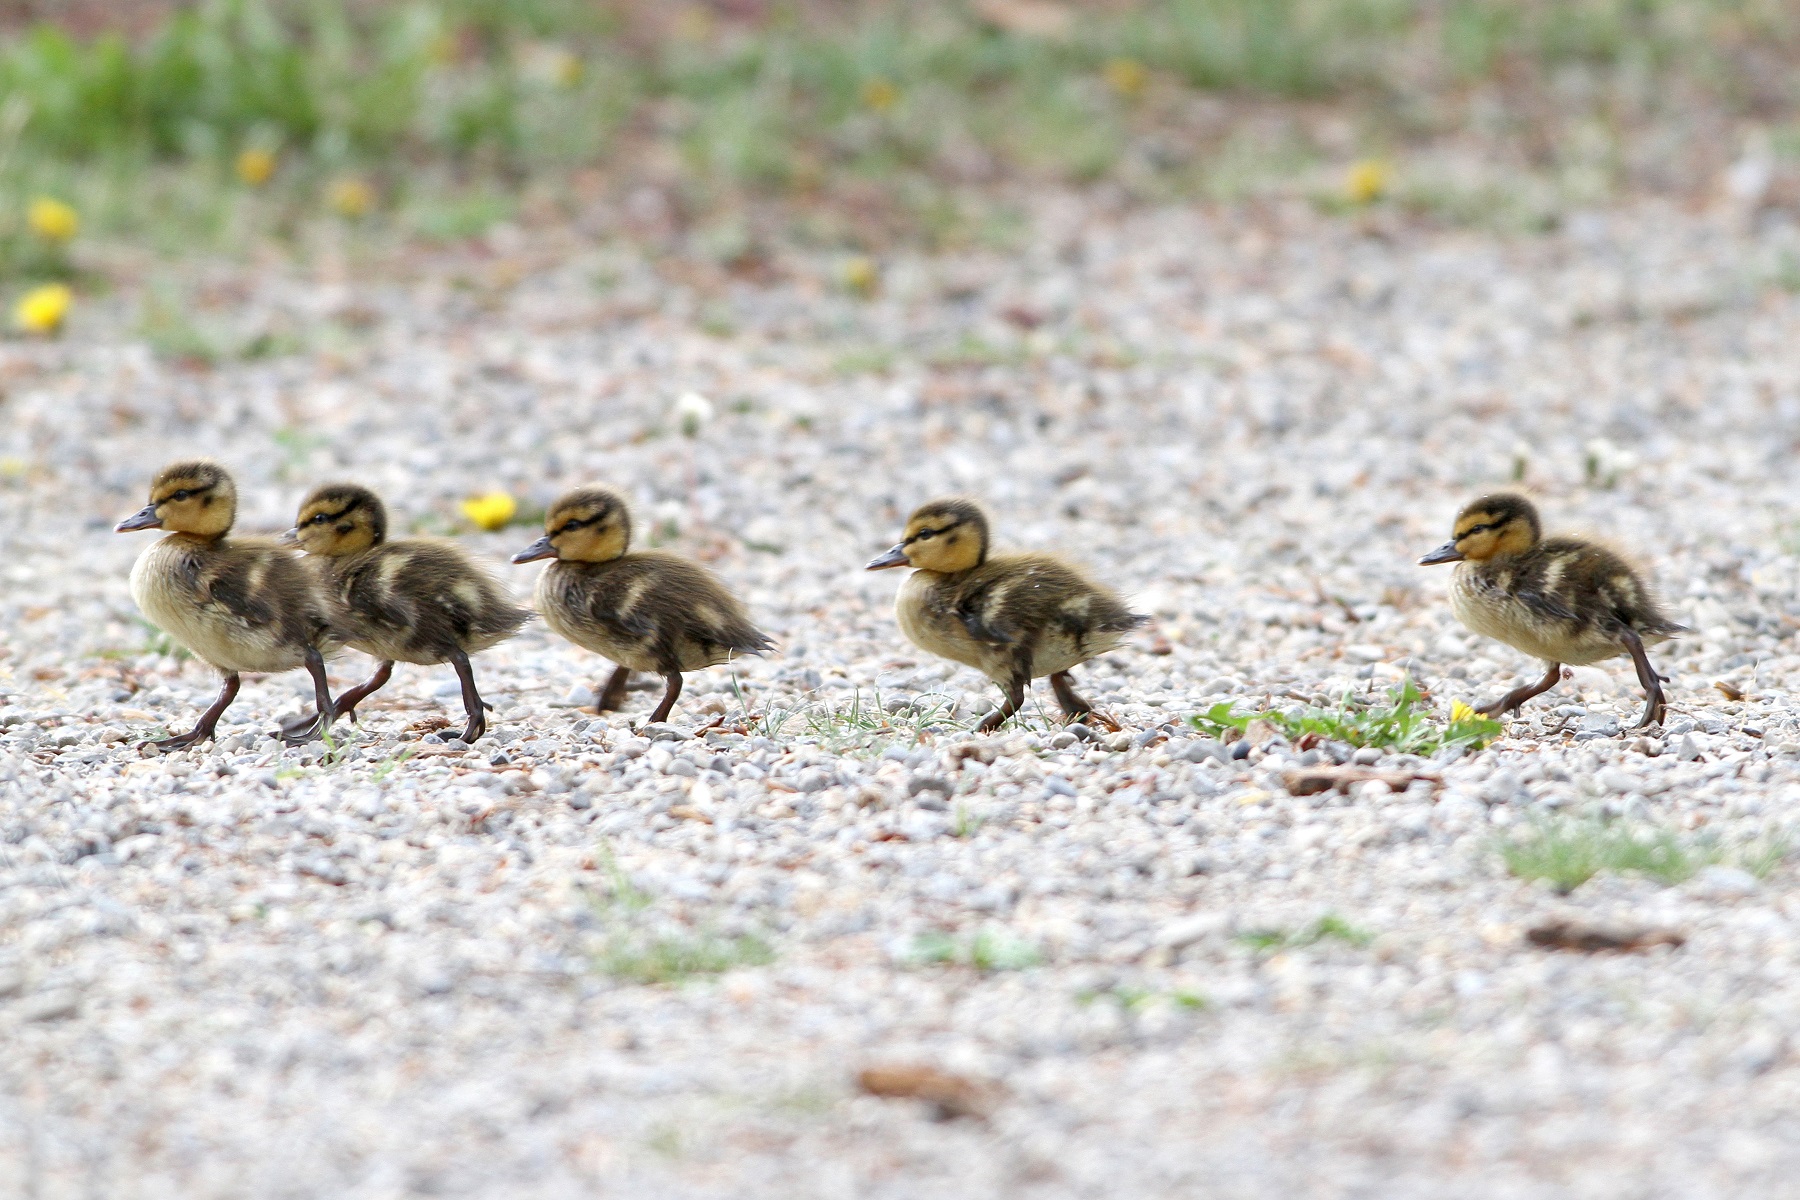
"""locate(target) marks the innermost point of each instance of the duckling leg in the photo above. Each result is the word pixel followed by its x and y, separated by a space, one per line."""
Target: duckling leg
pixel 304 729
pixel 1655 705
pixel 612 696
pixel 1518 696
pixel 1073 706
pixel 209 720
pixel 672 694
pixel 1015 700
pixel 347 701
pixel 472 701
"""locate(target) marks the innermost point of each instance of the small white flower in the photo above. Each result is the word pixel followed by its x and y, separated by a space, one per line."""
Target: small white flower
pixel 692 412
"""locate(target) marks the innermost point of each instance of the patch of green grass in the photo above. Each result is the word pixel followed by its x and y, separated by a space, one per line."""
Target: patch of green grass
pixel 445 104
pixel 674 958
pixel 1329 927
pixel 392 763
pixel 860 726
pixel 1133 998
pixel 1568 851
pixel 297 447
pixel 869 360
pixel 989 950
pixel 659 954
pixel 1401 724
pixel 167 324
pixel 965 823
pixel 454 217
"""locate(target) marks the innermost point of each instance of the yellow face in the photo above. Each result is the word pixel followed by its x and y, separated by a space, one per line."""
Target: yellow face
pixel 1490 527
pixel 591 525
pixel 195 498
pixel 946 536
pixel 340 519
pixel 1482 535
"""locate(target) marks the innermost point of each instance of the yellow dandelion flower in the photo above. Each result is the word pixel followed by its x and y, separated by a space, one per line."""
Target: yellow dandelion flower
pixel 492 511
pixel 879 94
pixel 569 70
pixel 862 275
pixel 42 309
pixel 52 220
pixel 350 197
pixel 1127 77
pixel 1460 712
pixel 255 167
pixel 1367 181
pixel 694 24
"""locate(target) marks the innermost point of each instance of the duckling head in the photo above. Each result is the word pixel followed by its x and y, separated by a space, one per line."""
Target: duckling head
pixel 946 536
pixel 1492 526
pixel 196 497
pixel 338 519
pixel 589 524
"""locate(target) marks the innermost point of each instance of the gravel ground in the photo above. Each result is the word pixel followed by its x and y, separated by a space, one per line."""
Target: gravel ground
pixel 249 971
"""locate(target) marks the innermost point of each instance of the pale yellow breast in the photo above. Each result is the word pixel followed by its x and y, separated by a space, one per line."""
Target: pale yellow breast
pixel 1492 612
pixel 930 628
pixel 208 630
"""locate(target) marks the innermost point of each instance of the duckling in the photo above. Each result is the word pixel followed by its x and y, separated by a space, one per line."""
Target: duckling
pixel 648 611
pixel 241 604
pixel 1012 617
pixel 1558 599
pixel 411 601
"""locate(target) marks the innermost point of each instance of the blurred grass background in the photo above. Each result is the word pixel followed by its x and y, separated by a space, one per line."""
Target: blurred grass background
pixel 223 124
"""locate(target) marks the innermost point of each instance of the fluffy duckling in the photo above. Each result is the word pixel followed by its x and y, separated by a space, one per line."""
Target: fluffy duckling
pixel 412 601
pixel 648 611
pixel 241 604
pixel 1012 617
pixel 1558 599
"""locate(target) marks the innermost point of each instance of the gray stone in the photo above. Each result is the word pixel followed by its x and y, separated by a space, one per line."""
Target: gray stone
pixel 55 1004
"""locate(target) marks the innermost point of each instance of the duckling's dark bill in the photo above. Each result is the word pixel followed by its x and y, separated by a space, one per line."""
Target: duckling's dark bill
pixel 1443 554
pixel 143 518
pixel 893 558
pixel 538 549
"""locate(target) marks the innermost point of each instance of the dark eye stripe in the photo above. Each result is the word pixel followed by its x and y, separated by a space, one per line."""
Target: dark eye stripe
pixel 580 523
pixel 927 533
pixel 186 493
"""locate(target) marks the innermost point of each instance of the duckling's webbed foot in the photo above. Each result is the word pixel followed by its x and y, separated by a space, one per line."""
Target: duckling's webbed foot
pixel 1075 707
pixel 473 704
pixel 1518 696
pixel 203 729
pixel 612 696
pixel 1015 700
pixel 300 728
pixel 297 731
pixel 670 694
pixel 1656 705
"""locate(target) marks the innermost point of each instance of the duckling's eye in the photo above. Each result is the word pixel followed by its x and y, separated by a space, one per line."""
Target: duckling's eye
pixel 183 494
pixel 319 519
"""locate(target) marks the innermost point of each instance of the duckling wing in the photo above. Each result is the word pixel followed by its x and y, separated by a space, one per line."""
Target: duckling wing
pixel 262 587
pixel 695 612
pixel 418 601
pixel 238 593
pixel 1027 594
